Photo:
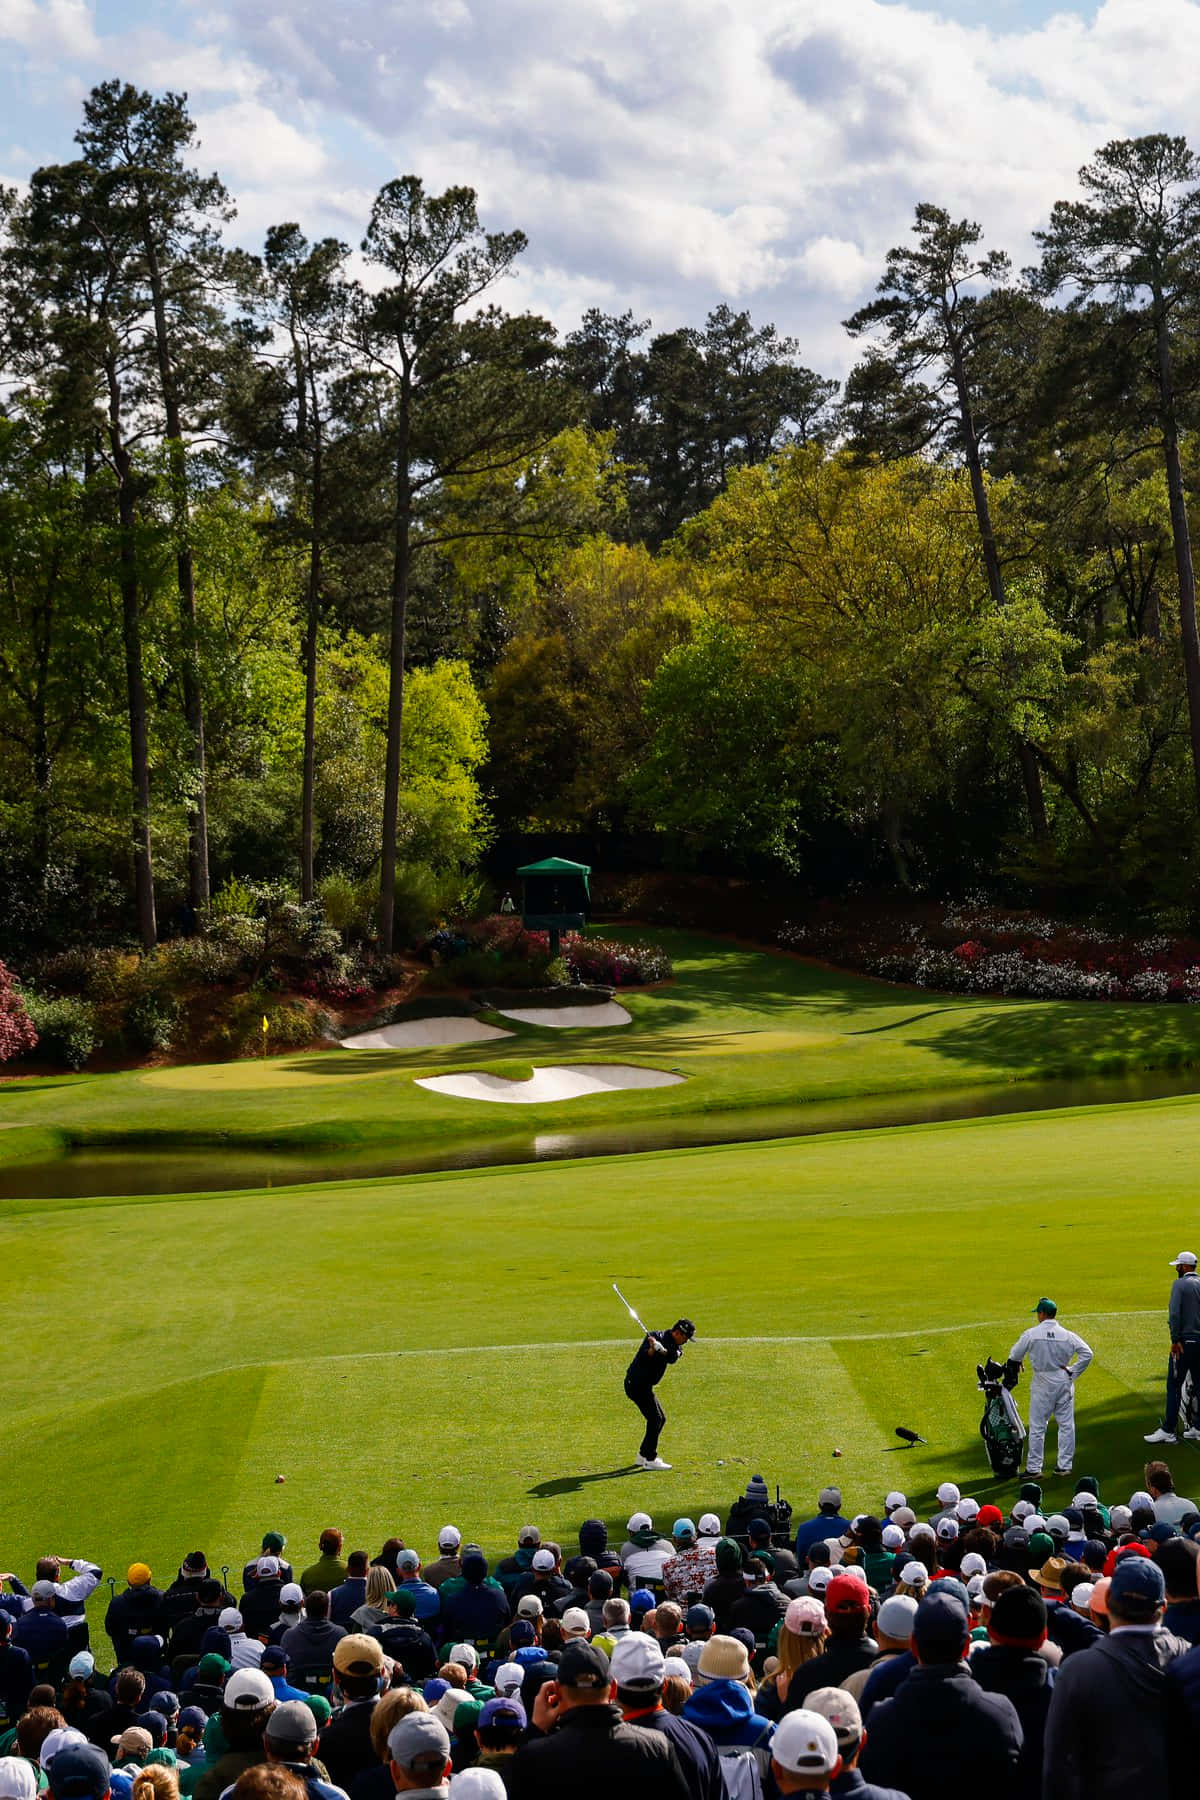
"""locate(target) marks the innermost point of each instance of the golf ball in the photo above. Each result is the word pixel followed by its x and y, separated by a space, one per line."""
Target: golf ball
pixel 837 1453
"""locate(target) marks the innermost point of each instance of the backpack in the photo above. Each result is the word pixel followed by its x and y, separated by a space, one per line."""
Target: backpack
pixel 742 1770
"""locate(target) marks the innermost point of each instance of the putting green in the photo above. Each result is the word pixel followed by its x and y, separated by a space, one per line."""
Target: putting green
pixel 407 1352
pixel 748 1029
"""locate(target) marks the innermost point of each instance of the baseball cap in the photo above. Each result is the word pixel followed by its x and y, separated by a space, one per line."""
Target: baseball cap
pixel 940 1622
pixel 972 1564
pixel 212 1668
pixel 419 1737
pixel 676 1665
pixel 575 1622
pixel 79 1771
pixel 543 1561
pixel 1143 1499
pixel 1120 1517
pixel 641 1600
pixel 466 1654
pixel 59 1739
pixel 1058 1525
pixel 138 1574
pixel 830 1496
pixel 274 1541
pixel 699 1617
pixel 273 1657
pixel 581 1665
pixel 1046 1306
pixel 967 1509
pixel 291 1594
pixel 805 1617
pixel 686 1326
pixel 636 1661
pixel 1081 1595
pixel 989 1516
pixel 840 1710
pixel 503 1709
pixel 357 1654
pixel 81 1666
pixel 17 1779
pixel 805 1743
pixel 948 1494
pixel 42 1590
pixel 507 1679
pixel 229 1619
pixel 292 1723
pixel 408 1559
pixel 195 1716
pixel 947 1530
pixel 639 1521
pixel 449 1537
pixel 913 1574
pixel 893 1537
pixel 710 1525
pixel 845 1594
pixel 1137 1578
pixel 819 1580
pixel 529 1606
pixel 247 1690
pixel 267 1566
pixel 135 1740
pixel 896 1617
pixel 1187 1257
pixel 683 1528
pixel 893 1500
pixel 521 1634
pixel 529 1534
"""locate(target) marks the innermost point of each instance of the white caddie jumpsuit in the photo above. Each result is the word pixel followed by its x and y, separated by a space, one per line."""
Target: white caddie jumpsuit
pixel 1051 1350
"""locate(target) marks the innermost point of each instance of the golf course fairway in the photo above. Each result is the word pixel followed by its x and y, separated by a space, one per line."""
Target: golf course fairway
pixel 413 1351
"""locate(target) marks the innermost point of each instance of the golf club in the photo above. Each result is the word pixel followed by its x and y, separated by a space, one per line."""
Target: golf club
pixel 628 1308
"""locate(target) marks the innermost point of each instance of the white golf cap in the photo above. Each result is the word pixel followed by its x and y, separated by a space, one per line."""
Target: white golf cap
pixel 915 1574
pixel 1022 1510
pixel 967 1509
pixel 449 1537
pixel 710 1525
pixel 639 1522
pixel 972 1564
pixel 508 1678
pixel 893 1537
pixel 947 1530
pixel 1034 1522
pixel 466 1654
pixel 893 1500
pixel 1185 1257
pixel 819 1580
pixel 1058 1525
pixel 975 1589
pixel 1081 1596
pixel 948 1494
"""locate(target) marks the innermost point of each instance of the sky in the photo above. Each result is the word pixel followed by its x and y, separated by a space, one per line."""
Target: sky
pixel 660 155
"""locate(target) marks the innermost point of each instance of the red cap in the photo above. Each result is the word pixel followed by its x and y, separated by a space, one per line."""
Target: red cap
pixel 991 1516
pixel 846 1594
pixel 1114 1556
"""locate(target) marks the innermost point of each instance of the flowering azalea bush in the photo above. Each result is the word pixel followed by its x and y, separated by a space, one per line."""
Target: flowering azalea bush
pixel 600 962
pixel 498 950
pixel 18 1033
pixel 1019 954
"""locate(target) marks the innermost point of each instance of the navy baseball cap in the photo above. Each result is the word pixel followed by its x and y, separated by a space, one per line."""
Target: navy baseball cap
pixel 940 1621
pixel 79 1772
pixel 582 1665
pixel 686 1326
pixel 195 1716
pixel 521 1633
pixel 273 1657
pixel 1134 1578
pixel 700 1617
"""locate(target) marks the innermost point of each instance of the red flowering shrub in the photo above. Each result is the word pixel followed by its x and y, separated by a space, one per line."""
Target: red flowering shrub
pixel 17 1030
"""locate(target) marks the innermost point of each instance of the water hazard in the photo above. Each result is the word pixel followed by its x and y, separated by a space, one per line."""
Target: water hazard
pixel 154 1170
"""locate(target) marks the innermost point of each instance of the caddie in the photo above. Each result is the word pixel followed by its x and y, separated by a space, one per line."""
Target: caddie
pixel 1057 1358
pixel 1183 1319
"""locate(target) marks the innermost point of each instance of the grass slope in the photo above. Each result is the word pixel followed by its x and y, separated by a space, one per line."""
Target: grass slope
pixel 748 1029
pixel 447 1347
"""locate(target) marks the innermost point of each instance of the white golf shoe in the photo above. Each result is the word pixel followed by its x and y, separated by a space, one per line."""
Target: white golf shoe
pixel 652 1462
pixel 1192 1435
pixel 1160 1437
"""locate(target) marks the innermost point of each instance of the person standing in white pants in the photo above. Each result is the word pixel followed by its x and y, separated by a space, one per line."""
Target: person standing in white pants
pixel 1057 1358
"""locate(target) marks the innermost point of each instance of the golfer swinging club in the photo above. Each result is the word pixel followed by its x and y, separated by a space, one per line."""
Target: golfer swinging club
pixel 655 1353
pixel 1058 1358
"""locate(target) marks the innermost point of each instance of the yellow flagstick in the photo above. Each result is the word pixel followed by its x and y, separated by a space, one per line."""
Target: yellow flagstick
pixel 265 1028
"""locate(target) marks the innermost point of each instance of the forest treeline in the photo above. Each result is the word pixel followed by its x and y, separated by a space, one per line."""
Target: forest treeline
pixel 318 567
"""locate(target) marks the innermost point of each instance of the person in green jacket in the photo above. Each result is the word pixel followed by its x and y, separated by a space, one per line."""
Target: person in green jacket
pixel 329 1569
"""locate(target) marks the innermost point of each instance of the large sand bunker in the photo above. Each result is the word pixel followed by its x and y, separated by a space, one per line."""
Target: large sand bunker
pixel 419 1034
pixel 598 1013
pixel 549 1084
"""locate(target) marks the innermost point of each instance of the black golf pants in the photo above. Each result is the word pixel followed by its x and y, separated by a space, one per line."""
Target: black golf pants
pixel 647 1404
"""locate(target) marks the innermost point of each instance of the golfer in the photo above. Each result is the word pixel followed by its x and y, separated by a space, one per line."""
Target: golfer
pixel 656 1352
pixel 1058 1358
pixel 1183 1319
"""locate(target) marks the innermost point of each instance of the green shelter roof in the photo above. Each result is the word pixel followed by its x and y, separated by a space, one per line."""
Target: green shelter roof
pixel 555 865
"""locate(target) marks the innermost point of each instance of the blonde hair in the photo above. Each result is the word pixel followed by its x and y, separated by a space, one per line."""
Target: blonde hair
pixel 795 1648
pixel 156 1783
pixel 380 1583
pixel 395 1705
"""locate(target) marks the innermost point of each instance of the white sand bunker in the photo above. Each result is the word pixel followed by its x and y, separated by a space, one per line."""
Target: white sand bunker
pixel 549 1084
pixel 560 1018
pixel 417 1034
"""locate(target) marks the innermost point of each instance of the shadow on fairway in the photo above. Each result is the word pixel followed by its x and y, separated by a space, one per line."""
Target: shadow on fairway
pixel 571 1484
pixel 1095 1038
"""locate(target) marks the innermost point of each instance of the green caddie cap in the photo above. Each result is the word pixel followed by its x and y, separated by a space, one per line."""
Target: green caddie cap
pixel 1046 1306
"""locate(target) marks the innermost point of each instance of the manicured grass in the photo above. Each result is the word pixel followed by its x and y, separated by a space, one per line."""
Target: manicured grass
pixel 437 1348
pixel 748 1029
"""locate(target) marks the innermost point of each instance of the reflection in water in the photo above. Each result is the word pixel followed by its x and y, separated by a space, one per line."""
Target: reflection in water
pixel 222 1166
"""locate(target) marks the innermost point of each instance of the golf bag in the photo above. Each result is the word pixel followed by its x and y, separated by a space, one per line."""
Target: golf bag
pixel 1189 1405
pixel 1001 1427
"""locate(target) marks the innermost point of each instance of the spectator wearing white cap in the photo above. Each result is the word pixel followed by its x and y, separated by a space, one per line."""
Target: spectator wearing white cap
pixel 583 1747
pixel 948 1497
pixel 1183 1323
pixel 259 1605
pixel 18 1779
pixel 804 1754
pixel 245 1652
pixel 893 1629
pixel 639 1669
pixel 840 1710
pixel 449 1563
pixel 544 1579
pixel 644 1554
pixel 246 1704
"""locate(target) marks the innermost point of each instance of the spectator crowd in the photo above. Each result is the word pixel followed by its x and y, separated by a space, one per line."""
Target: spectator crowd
pixel 1033 1655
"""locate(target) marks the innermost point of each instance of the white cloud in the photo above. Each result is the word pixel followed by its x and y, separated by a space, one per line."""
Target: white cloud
pixel 661 154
